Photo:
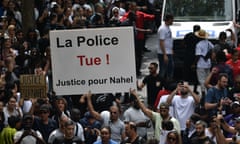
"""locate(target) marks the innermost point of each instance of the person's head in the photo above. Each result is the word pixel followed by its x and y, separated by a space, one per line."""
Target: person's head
pixel 173 138
pixel 20 35
pixel 130 129
pixel 235 55
pixel 90 118
pixel 153 68
pixel 221 57
pixel 115 11
pixel 237 81
pixel 105 134
pixel 184 88
pixel 12 102
pixel 213 122
pixel 222 36
pixel 69 129
pixel 132 16
pixel 7 43
pixel 114 113
pixel 235 107
pixel 27 121
pixel 134 102
pixel 222 80
pixel 196 28
pixel 168 19
pixel 164 109
pixel 61 104
pixel 200 128
pixel 14 122
pixel 99 8
pixel 11 30
pixel 44 112
pixel 132 6
pixel 75 114
pixel 62 120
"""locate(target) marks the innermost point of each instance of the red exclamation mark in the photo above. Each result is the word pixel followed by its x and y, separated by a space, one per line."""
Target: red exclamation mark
pixel 107 58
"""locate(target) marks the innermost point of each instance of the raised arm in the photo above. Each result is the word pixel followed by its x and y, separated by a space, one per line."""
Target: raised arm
pixel 194 95
pixel 145 110
pixel 94 113
pixel 173 93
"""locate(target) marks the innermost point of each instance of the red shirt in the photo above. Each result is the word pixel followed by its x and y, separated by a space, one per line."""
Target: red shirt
pixel 140 18
pixel 235 67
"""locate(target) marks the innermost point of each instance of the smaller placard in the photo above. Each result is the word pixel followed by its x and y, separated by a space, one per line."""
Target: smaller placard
pixel 33 86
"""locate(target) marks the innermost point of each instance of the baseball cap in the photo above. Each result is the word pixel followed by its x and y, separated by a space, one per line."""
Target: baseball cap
pixel 44 107
pixel 27 116
pixel 235 103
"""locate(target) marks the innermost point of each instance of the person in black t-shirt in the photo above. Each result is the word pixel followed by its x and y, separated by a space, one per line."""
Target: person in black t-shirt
pixel 154 84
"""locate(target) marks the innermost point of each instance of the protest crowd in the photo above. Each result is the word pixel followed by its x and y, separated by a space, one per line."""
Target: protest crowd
pixel 173 111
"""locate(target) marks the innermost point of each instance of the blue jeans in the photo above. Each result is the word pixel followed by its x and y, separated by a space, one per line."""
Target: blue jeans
pixel 166 69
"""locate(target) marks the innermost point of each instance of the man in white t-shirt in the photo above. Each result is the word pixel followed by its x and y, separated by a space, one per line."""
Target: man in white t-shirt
pixel 183 101
pixel 165 50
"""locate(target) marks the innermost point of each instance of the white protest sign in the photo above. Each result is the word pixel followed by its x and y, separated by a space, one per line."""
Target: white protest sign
pixel 101 60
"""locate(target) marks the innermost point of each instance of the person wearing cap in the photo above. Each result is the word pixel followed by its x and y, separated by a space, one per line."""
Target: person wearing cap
pixel 160 130
pixel 234 113
pixel 43 123
pixel 27 135
pixel 202 60
pixel 135 114
pixel 90 125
